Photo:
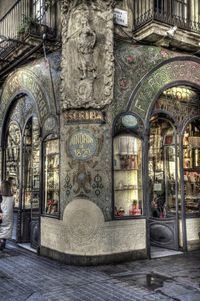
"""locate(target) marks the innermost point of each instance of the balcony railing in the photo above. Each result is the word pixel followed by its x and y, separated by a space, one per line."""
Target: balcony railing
pixel 23 15
pixel 182 13
pixel 22 30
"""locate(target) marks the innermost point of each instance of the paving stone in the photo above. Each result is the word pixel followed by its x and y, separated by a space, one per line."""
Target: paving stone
pixel 24 276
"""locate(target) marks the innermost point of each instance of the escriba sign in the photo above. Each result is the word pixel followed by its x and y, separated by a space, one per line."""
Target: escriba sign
pixel 89 116
pixel 82 145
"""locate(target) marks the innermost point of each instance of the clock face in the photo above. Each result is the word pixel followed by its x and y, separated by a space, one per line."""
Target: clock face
pixel 129 121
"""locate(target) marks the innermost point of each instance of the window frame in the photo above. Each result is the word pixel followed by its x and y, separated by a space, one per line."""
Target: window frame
pixel 48 138
pixel 137 133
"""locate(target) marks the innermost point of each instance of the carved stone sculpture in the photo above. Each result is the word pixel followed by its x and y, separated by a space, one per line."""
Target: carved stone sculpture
pixel 87 54
pixel 86 42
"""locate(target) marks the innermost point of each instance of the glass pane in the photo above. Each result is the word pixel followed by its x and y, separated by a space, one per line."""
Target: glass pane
pixel 31 167
pixel 38 9
pixel 179 9
pixel 35 169
pixel 128 175
pixel 51 176
pixel 162 168
pixel 13 163
pixel 191 165
pixel 27 164
pixel 170 175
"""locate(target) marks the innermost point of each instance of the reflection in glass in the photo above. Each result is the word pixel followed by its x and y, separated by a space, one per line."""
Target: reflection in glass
pixel 162 168
pixel 191 165
pixel 127 175
pixel 31 166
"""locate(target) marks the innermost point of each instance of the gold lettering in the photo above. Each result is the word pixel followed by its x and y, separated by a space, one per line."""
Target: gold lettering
pixel 81 139
pixel 138 106
pixel 87 116
pixel 70 116
pixel 92 115
pixel 82 115
pixel 99 116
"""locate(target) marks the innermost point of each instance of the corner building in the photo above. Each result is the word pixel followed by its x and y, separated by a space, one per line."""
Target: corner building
pixel 100 126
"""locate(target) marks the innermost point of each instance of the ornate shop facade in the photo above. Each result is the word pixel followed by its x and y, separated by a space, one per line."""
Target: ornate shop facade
pixel 102 143
pixel 29 127
pixel 130 178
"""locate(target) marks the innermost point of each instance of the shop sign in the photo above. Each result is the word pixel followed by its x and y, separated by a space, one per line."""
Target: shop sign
pixel 89 116
pixel 129 121
pixel 120 17
pixel 25 80
pixel 82 145
pixel 168 73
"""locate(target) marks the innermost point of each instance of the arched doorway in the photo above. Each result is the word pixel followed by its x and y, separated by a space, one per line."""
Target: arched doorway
pixel 174 167
pixel 163 182
pixel 21 165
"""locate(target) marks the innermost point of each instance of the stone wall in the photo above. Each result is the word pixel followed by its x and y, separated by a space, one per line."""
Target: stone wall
pixel 83 231
pixel 193 233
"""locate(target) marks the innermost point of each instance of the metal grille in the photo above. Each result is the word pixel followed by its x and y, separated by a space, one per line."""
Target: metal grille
pixel 183 13
pixel 25 18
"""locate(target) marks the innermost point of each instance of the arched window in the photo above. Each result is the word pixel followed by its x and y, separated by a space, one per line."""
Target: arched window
pixel 127 167
pixel 51 175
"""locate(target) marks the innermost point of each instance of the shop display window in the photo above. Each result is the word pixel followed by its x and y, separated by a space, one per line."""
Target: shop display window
pixel 191 165
pixel 51 176
pixel 127 175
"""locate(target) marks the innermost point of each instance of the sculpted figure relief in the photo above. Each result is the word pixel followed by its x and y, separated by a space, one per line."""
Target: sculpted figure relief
pixel 86 42
pixel 87 54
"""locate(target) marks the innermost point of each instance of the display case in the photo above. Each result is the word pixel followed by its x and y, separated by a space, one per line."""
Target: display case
pixel 191 164
pixel 51 176
pixel 127 176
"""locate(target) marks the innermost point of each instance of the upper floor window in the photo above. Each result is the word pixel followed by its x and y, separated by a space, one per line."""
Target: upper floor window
pixel 175 8
pixel 180 8
pixel 182 13
pixel 38 9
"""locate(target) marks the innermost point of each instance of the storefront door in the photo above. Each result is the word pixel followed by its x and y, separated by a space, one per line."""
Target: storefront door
pixel 163 183
pixel 174 168
pixel 30 181
pixel 22 168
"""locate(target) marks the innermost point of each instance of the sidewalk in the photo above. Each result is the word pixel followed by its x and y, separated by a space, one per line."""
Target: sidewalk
pixel 26 276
